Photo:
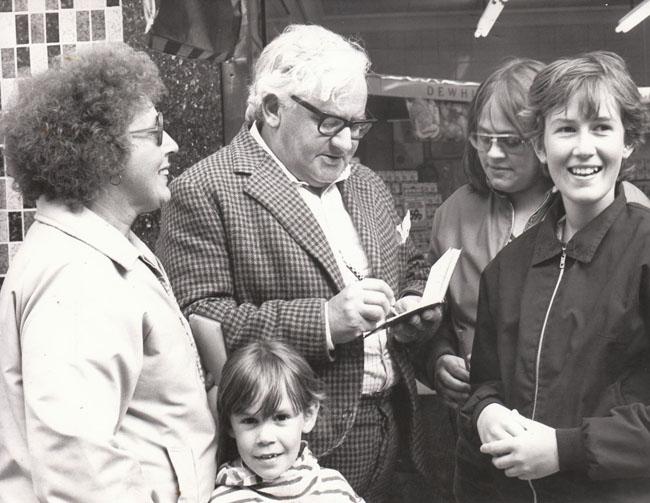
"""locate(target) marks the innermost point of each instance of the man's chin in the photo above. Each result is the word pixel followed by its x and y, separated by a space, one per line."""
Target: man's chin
pixel 328 173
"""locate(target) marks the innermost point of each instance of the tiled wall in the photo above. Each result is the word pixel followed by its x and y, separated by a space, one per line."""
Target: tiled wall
pixel 32 32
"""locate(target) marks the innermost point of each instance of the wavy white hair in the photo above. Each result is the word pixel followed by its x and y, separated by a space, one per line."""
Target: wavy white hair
pixel 309 61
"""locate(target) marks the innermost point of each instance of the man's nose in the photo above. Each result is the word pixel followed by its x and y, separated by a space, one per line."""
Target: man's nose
pixel 343 140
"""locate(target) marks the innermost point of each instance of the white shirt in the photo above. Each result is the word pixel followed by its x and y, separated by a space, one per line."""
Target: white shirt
pixel 336 223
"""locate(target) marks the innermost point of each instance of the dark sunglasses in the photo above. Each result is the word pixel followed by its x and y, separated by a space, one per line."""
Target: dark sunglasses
pixel 158 129
pixel 331 125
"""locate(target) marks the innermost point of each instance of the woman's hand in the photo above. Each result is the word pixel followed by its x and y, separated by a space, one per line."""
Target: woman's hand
pixel 497 422
pixel 532 454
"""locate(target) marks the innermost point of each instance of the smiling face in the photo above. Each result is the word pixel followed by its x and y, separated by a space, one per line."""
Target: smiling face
pixel 291 132
pixel 514 172
pixel 584 153
pixel 145 176
pixel 269 446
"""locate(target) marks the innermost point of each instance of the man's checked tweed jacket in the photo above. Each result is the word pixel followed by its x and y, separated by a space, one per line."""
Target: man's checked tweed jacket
pixel 241 247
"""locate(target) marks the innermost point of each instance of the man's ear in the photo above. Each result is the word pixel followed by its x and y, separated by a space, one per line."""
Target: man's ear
pixel 540 151
pixel 271 110
pixel 311 415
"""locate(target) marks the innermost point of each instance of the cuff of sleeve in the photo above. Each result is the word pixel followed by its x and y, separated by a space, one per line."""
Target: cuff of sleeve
pixel 570 448
pixel 479 408
pixel 328 332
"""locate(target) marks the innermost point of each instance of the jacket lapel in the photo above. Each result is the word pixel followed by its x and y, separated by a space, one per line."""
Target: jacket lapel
pixel 358 199
pixel 273 190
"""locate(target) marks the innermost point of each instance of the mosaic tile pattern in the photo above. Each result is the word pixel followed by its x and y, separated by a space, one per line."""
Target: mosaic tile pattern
pixel 37 28
pixel 32 33
pixel 4 257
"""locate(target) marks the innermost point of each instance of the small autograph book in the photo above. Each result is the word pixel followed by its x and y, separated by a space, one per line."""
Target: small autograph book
pixel 434 290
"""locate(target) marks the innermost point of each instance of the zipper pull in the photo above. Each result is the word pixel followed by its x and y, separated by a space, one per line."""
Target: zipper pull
pixel 563 257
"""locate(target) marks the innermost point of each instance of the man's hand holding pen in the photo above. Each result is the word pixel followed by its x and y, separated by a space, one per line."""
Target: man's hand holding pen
pixel 358 308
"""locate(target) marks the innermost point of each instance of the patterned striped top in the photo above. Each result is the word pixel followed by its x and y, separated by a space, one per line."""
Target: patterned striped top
pixel 304 482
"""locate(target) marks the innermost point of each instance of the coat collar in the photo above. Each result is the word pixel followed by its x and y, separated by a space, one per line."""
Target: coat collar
pixel 583 245
pixel 90 228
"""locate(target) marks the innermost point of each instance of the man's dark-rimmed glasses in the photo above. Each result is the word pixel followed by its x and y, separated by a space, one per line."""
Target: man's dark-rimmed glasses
pixel 158 129
pixel 331 125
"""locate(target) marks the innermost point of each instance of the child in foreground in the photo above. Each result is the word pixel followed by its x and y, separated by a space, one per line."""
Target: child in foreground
pixel 561 359
pixel 268 397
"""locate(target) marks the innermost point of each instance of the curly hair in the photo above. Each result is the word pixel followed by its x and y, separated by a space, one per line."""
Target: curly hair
pixel 65 134
pixel 507 88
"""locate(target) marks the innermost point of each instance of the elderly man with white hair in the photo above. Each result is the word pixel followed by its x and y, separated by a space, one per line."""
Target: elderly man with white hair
pixel 281 234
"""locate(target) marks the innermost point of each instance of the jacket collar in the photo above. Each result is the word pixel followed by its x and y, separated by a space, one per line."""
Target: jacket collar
pixel 583 245
pixel 502 203
pixel 270 186
pixel 90 228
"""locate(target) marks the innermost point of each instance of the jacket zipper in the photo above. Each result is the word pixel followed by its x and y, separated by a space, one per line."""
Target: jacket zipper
pixel 539 348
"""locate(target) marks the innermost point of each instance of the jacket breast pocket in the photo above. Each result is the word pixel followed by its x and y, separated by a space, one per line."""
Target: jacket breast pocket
pixel 183 464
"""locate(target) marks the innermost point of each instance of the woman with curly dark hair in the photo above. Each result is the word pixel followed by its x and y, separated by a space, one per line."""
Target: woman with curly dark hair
pixel 102 390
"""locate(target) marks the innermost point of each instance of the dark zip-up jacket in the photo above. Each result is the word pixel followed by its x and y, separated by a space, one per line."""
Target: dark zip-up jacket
pixel 563 336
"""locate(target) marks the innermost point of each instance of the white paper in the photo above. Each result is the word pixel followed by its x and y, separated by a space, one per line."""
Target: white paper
pixel 440 276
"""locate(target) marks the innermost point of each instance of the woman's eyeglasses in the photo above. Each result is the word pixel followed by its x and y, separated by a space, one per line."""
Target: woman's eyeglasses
pixel 331 125
pixel 509 143
pixel 158 129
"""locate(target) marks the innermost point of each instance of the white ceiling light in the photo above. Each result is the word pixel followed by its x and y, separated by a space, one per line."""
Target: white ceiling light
pixel 489 17
pixel 634 17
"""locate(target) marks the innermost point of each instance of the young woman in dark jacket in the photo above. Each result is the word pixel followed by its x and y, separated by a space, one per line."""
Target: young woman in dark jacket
pixel 561 360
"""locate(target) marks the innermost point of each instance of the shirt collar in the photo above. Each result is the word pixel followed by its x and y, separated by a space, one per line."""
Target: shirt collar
pixel 292 484
pixel 88 227
pixel 255 133
pixel 584 243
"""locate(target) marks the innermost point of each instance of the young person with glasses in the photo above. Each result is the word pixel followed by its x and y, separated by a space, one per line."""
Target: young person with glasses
pixel 282 235
pixel 507 192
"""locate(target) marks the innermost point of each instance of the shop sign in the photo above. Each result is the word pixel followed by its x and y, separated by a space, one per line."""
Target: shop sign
pixel 414 87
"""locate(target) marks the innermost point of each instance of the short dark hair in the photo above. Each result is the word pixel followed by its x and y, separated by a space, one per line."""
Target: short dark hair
pixel 65 132
pixel 589 73
pixel 260 373
pixel 506 87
